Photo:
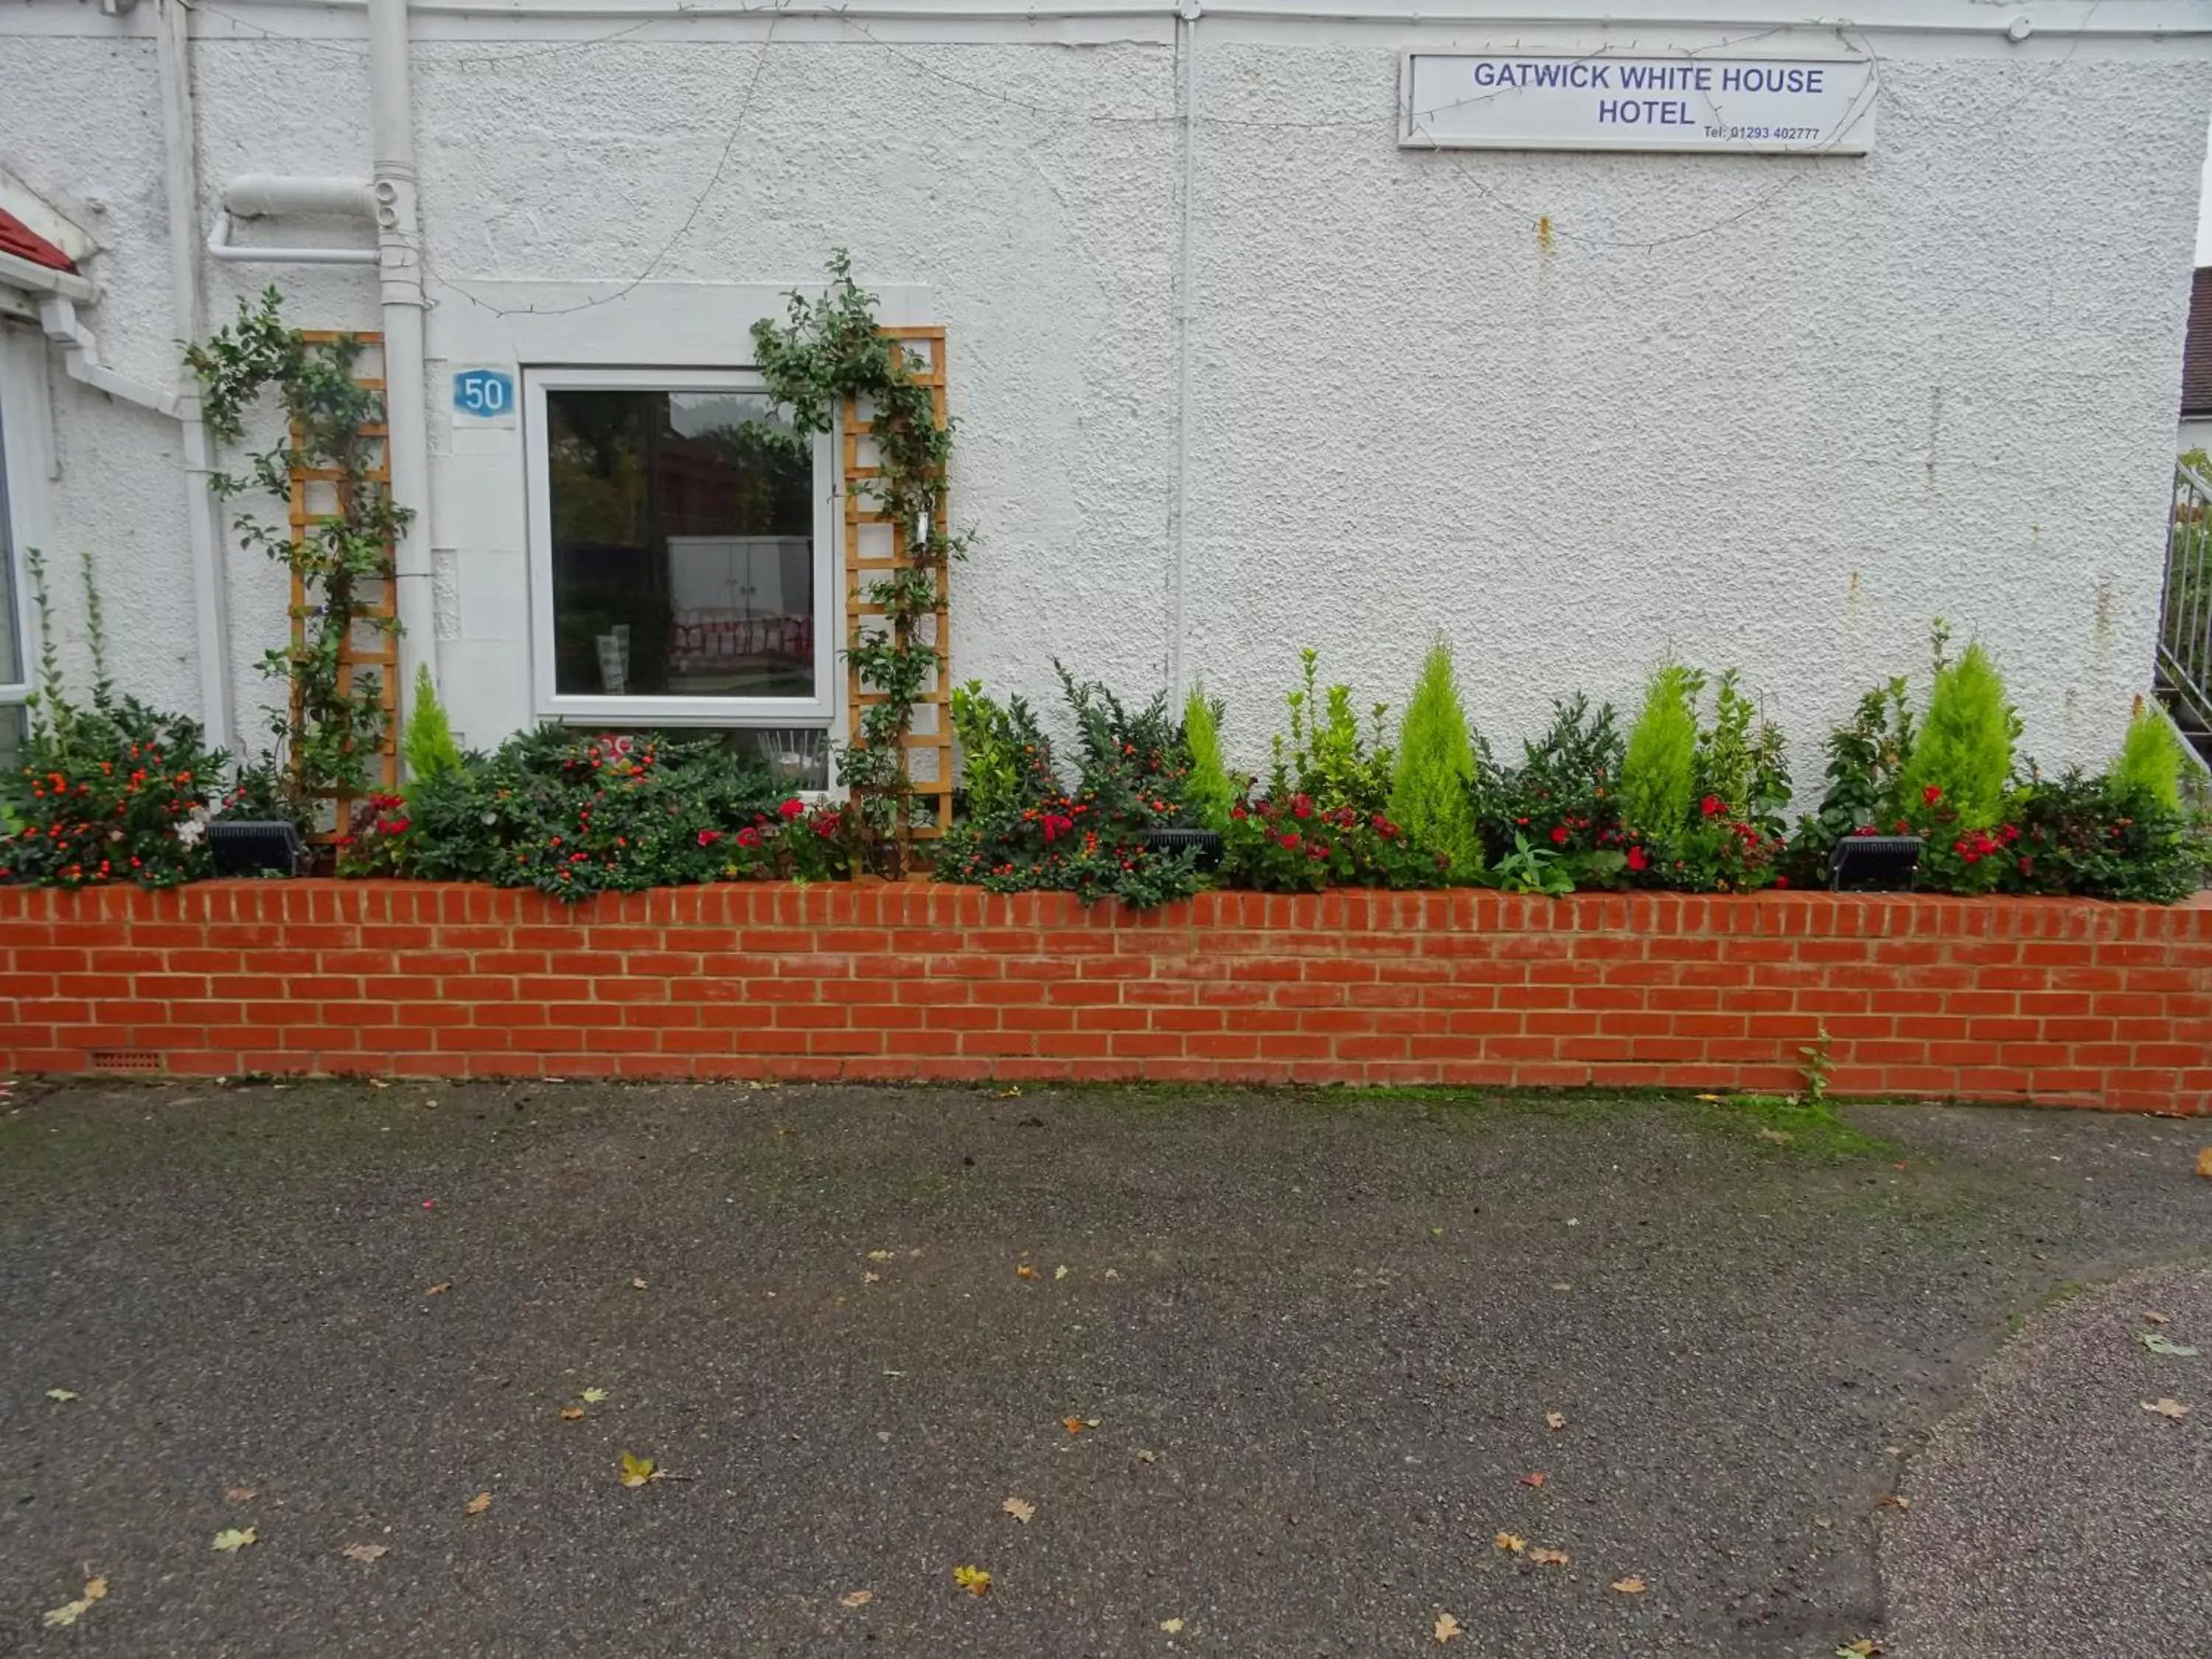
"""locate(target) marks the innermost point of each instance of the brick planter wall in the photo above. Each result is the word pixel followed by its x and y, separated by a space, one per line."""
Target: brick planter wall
pixel 2043 999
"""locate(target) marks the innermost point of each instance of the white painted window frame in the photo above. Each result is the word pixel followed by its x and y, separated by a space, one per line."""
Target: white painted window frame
pixel 735 712
pixel 23 429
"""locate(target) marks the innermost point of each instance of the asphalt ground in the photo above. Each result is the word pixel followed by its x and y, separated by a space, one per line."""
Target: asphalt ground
pixel 1279 1367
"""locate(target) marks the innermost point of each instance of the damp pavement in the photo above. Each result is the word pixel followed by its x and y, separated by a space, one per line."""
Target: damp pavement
pixel 1269 1372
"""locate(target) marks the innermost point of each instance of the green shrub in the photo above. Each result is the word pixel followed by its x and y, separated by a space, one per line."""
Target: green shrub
pixel 1207 792
pixel 2151 760
pixel 1659 773
pixel 1001 750
pixel 1432 793
pixel 1327 757
pixel 429 748
pixel 1963 750
pixel 1559 811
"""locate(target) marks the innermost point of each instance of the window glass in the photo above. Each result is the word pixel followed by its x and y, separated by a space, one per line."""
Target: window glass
pixel 682 531
pixel 11 643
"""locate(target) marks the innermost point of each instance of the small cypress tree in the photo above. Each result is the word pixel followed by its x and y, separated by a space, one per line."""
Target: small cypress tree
pixel 1965 745
pixel 429 748
pixel 1432 793
pixel 2150 761
pixel 1658 775
pixel 1208 792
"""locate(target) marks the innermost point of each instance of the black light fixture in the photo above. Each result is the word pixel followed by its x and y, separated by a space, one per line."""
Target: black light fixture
pixel 1874 863
pixel 256 846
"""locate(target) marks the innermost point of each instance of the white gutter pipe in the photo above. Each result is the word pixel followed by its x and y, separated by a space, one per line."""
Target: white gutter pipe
pixel 80 357
pixel 1185 281
pixel 260 195
pixel 29 276
pixel 202 513
pixel 399 264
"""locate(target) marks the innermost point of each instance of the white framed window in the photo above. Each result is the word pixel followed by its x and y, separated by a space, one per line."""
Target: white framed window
pixel 683 538
pixel 15 622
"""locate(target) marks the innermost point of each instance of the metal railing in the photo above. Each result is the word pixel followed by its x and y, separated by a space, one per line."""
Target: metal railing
pixel 2184 621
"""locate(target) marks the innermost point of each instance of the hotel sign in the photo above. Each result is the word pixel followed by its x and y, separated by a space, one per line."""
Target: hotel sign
pixel 1606 100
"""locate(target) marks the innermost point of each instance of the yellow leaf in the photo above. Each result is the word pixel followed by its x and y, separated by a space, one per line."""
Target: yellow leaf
pixel 1535 1479
pixel 857 1599
pixel 1172 1626
pixel 241 1494
pixel 1890 1500
pixel 367 1554
pixel 479 1504
pixel 95 1589
pixel 570 1414
pixel 1713 1100
pixel 1060 1272
pixel 1555 1420
pixel 60 1396
pixel 440 1288
pixel 2172 1410
pixel 871 1278
pixel 1020 1508
pixel 592 1396
pixel 2204 1163
pixel 68 1612
pixel 1072 1424
pixel 1548 1558
pixel 1630 1586
pixel 230 1540
pixel 1025 1271
pixel 637 1284
pixel 1446 1628
pixel 636 1471
pixel 882 1255
pixel 1510 1542
pixel 974 1580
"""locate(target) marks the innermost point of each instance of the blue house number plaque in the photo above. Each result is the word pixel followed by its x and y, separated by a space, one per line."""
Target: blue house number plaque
pixel 487 394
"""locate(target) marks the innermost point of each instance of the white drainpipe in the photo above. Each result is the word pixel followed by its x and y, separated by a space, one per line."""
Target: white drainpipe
pixel 398 244
pixel 202 513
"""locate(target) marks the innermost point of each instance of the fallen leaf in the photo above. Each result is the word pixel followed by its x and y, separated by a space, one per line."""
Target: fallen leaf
pixel 1011 1093
pixel 479 1504
pixel 1060 1272
pixel 1446 1628
pixel 1630 1586
pixel 636 1471
pixel 592 1396
pixel 637 1284
pixel 1862 1648
pixel 2159 1344
pixel 1172 1626
pixel 366 1553
pixel 1091 1422
pixel 1534 1480
pixel 2155 1318
pixel 974 1580
pixel 1021 1509
pixel 1890 1500
pixel 2204 1163
pixel 570 1414
pixel 241 1494
pixel 871 1278
pixel 882 1255
pixel 440 1288
pixel 2171 1410
pixel 1555 1420
pixel 68 1612
pixel 1072 1424
pixel 1781 1136
pixel 1714 1100
pixel 1507 1541
pixel 1548 1558
pixel 1148 1457
pixel 1025 1271
pixel 230 1540
pixel 856 1599
pixel 60 1396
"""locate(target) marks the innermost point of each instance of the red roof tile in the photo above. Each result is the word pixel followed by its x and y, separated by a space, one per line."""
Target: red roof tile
pixel 18 239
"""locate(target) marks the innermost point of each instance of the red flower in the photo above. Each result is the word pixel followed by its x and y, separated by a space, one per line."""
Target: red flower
pixel 1932 794
pixel 1056 824
pixel 1713 806
pixel 708 837
pixel 1782 881
pixel 747 836
pixel 827 826
pixel 1238 813
pixel 1385 829
pixel 1289 838
pixel 1302 806
pixel 1559 834
pixel 1638 858
pixel 794 808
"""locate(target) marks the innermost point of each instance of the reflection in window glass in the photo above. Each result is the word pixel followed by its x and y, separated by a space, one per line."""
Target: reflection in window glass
pixel 682 545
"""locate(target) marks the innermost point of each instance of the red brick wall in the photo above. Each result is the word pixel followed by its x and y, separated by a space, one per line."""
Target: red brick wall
pixel 2047 1000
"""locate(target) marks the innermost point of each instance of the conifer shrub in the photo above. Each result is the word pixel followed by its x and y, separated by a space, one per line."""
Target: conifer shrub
pixel 1432 793
pixel 1659 773
pixel 1964 748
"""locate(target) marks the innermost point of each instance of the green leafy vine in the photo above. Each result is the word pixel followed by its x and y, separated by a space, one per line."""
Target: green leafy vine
pixel 331 725
pixel 824 352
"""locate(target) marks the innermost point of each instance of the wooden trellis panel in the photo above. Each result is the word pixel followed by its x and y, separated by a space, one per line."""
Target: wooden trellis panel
pixel 373 645
pixel 874 548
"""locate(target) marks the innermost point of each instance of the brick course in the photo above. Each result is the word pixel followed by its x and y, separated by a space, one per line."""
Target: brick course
pixel 2054 1000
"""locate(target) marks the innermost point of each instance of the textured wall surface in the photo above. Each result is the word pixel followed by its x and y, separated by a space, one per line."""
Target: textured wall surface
pixel 1576 410
pixel 2061 1001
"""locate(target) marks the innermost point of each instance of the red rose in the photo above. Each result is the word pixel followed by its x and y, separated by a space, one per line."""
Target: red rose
pixel 1288 839
pixel 747 836
pixel 1713 806
pixel 1638 858
pixel 1238 813
pixel 794 808
pixel 1932 794
pixel 1302 806
pixel 708 837
pixel 1559 835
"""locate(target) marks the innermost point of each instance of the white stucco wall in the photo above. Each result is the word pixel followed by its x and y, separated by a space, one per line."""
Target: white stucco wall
pixel 1576 410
